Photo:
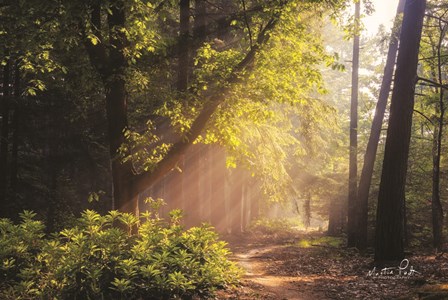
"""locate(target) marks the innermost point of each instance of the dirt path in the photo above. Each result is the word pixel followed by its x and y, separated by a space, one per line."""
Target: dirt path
pixel 275 286
pixel 311 266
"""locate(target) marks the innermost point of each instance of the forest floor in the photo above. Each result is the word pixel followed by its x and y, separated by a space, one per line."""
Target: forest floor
pixel 309 265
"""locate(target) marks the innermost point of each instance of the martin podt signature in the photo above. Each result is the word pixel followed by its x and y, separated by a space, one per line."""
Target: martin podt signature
pixel 403 271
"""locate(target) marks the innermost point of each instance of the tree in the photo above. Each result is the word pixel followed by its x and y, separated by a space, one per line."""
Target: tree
pixel 119 39
pixel 433 68
pixel 372 146
pixel 4 135
pixel 211 104
pixel 436 205
pixel 111 64
pixel 391 199
pixel 352 233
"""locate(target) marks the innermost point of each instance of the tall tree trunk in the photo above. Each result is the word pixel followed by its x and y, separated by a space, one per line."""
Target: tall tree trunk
pixel 15 134
pixel 436 205
pixel 375 131
pixel 333 218
pixel 117 122
pixel 200 21
pixel 352 233
pixel 52 136
pixel 4 140
pixel 111 64
pixel 389 223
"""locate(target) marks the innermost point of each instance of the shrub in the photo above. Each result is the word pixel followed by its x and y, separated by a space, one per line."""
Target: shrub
pixel 101 258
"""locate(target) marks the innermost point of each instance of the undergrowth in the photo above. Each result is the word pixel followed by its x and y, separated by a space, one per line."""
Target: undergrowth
pixel 101 257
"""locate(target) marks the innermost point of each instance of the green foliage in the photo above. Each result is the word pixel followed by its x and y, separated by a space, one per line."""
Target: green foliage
pixel 278 225
pixel 321 241
pixel 145 149
pixel 101 258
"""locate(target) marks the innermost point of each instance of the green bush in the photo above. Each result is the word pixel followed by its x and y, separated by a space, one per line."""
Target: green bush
pixel 101 258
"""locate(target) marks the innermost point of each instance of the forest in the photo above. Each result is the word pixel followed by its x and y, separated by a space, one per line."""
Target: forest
pixel 219 149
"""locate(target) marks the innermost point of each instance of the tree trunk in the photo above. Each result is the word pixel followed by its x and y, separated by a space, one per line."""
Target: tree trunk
pixel 389 223
pixel 336 217
pixel 111 64
pixel 375 132
pixel 200 22
pixel 332 220
pixel 4 140
pixel 117 122
pixel 436 205
pixel 15 134
pixel 352 233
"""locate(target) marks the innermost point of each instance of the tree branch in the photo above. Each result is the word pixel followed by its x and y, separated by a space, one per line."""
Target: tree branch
pixel 436 17
pixel 142 181
pixel 424 116
pixel 433 83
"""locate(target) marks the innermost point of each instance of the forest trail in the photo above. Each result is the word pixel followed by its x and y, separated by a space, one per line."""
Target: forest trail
pixel 272 285
pixel 309 265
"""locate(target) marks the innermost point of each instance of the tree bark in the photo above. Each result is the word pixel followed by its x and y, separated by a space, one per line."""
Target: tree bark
pixel 4 140
pixel 200 21
pixel 336 217
pixel 375 131
pixel 352 233
pixel 436 205
pixel 111 64
pixel 15 134
pixel 390 216
pixel 116 108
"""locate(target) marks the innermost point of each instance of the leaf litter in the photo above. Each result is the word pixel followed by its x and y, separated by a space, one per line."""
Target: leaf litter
pixel 309 265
